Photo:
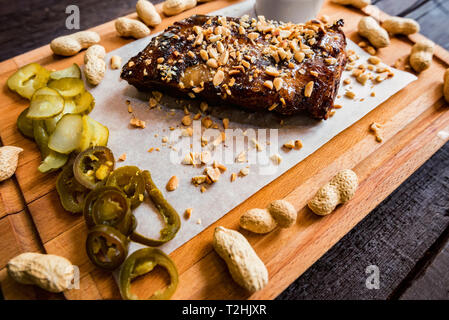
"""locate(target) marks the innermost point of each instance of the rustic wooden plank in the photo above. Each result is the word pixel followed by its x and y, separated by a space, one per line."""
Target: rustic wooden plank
pixel 303 240
pixel 433 282
pixel 398 8
pixel 393 237
pixel 431 17
pixel 196 249
pixel 87 290
pixel 54 220
pixel 50 16
pixel 18 235
pixel 10 198
pixel 9 246
pixel 410 103
pixel 386 237
pixel 429 14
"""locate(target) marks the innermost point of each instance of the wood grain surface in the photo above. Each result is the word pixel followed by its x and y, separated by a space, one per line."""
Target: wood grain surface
pixel 414 117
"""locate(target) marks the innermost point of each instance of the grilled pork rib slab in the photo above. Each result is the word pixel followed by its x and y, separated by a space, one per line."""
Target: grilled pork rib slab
pixel 254 64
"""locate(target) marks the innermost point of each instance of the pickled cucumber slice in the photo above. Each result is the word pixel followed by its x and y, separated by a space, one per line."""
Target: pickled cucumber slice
pixel 67 135
pixel 41 137
pixel 46 91
pixel 67 87
pixel 94 134
pixel 82 104
pixel 101 134
pixel 45 103
pixel 53 161
pixel 28 79
pixel 85 102
pixel 50 124
pixel 73 71
pixel 25 125
pixel 69 106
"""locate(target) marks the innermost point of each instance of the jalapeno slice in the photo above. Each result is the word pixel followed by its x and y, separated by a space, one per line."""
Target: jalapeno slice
pixel 171 217
pixel 25 124
pixel 93 166
pixel 108 206
pixel 106 247
pixel 71 193
pixel 130 180
pixel 142 262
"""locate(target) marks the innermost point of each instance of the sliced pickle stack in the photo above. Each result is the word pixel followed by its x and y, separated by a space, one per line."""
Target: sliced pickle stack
pixel 57 118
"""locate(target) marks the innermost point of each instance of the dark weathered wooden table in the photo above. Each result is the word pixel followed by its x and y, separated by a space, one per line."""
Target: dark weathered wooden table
pixel 405 237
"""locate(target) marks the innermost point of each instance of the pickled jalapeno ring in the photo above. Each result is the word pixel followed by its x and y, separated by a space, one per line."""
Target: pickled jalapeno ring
pixel 108 206
pixel 71 193
pixel 171 217
pixel 93 166
pixel 130 180
pixel 142 262
pixel 106 247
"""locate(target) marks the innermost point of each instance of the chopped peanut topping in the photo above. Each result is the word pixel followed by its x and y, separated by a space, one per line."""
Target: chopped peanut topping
pixel 257 145
pixel 204 55
pixel 374 60
pixel 363 78
pixel 241 157
pixel 172 184
pixel 289 144
pixel 277 82
pixel 219 166
pixel 213 173
pixel 225 123
pixel 212 63
pixel 268 84
pixel 276 158
pixel 272 71
pixel 152 103
pixel 205 157
pixel 206 122
pixel 199 179
pixel 350 94
pixel 376 129
pixel 188 132
pixel 157 95
pixel 188 213
pixel 122 157
pixel 244 172
pixel 186 120
pixel 218 78
pixel 203 106
pixel 137 123
pixel 308 89
pixel 299 56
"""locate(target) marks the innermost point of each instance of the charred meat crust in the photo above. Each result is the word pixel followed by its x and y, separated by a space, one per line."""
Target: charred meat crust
pixel 173 62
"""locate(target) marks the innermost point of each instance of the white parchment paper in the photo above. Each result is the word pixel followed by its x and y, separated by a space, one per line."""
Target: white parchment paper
pixel 221 197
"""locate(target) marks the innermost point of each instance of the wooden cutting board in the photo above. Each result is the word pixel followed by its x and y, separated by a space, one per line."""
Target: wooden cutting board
pixel 32 219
